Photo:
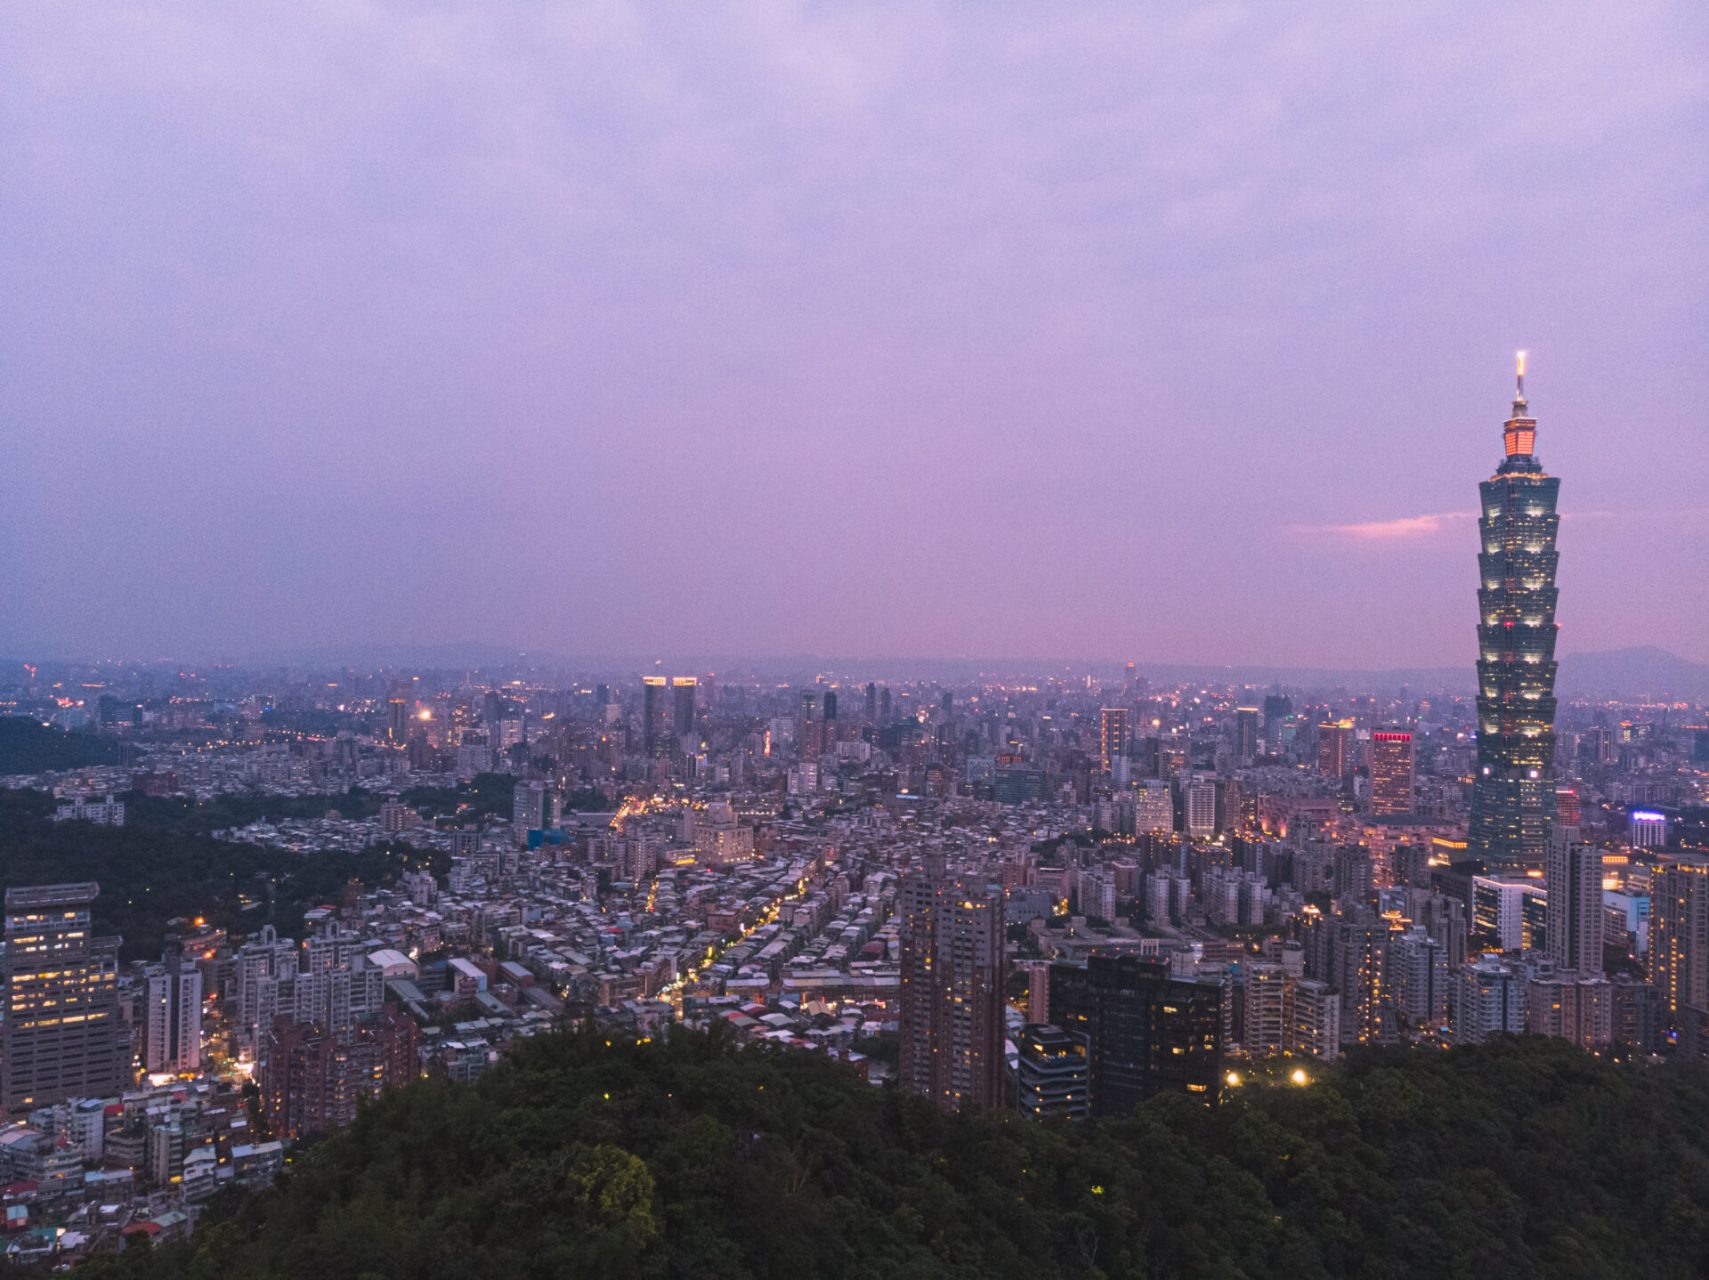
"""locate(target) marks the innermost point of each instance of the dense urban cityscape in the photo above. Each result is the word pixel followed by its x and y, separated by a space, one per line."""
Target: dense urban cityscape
pixel 881 642
pixel 1058 895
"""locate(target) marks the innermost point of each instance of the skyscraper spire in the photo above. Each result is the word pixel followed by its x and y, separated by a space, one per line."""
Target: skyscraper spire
pixel 1519 436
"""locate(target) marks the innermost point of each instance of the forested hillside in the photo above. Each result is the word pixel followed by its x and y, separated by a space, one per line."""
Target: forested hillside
pixel 152 874
pixel 686 1159
pixel 29 746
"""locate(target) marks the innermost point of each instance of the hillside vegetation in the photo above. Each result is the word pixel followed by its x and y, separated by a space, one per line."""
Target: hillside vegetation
pixel 682 1158
pixel 29 746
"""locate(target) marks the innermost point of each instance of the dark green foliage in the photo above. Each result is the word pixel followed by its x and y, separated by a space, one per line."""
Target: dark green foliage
pixel 222 813
pixel 152 872
pixel 489 794
pixel 29 746
pixel 1518 1159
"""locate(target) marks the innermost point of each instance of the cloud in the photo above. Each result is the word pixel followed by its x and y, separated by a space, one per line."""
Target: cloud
pixel 1402 528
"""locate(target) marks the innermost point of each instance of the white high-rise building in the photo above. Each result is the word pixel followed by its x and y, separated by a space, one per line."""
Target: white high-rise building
pixel 1315 1025
pixel 1153 810
pixel 172 1027
pixel 1489 999
pixel 1198 807
pixel 1266 1006
pixel 1418 978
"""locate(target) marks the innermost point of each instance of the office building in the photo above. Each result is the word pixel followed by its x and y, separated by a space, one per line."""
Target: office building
pixel 1513 785
pixel 1391 772
pixel 1509 913
pixel 63 1035
pixel 1052 1074
pixel 397 719
pixel 1277 708
pixel 1146 1032
pixel 1647 829
pixel 1335 748
pixel 1245 734
pixel 684 691
pixel 952 992
pixel 655 715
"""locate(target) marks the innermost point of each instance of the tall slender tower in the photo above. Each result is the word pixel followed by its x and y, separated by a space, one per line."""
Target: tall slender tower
pixel 1513 794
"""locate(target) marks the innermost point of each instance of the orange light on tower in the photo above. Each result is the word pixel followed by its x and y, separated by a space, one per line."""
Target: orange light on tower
pixel 1519 435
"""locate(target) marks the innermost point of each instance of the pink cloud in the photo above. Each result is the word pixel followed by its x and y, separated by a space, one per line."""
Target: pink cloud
pixel 1398 529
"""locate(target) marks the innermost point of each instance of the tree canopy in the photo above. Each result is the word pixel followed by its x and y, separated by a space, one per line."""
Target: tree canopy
pixel 684 1158
pixel 151 874
pixel 29 746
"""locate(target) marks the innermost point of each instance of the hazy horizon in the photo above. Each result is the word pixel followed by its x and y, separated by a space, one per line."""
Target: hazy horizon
pixel 1178 334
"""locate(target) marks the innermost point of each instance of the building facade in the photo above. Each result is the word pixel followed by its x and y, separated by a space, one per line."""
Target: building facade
pixel 951 1047
pixel 64 1035
pixel 1513 787
pixel 1146 1032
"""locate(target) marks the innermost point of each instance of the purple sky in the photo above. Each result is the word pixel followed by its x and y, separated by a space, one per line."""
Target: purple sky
pixel 1168 332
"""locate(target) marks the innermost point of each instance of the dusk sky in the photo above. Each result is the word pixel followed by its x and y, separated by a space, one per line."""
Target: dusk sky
pixel 1165 332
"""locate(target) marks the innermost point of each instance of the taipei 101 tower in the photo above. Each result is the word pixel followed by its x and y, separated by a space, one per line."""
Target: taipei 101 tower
pixel 1513 791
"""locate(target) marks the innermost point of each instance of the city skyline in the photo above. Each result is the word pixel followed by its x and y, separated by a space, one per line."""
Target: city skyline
pixel 817 332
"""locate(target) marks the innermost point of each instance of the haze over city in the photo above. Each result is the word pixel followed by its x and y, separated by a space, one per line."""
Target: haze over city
pixel 1178 334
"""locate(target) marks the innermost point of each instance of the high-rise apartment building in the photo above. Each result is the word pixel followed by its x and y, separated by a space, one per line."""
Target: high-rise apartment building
pixel 527 809
pixel 1573 876
pixel 1112 736
pixel 314 1078
pixel 1418 979
pixel 1391 771
pixel 1489 999
pixel 1266 1006
pixel 1513 788
pixel 63 1035
pixel 1146 1032
pixel 1198 808
pixel 172 1021
pixel 809 730
pixel 1679 932
pixel 1572 1006
pixel 952 992
pixel 1314 1027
